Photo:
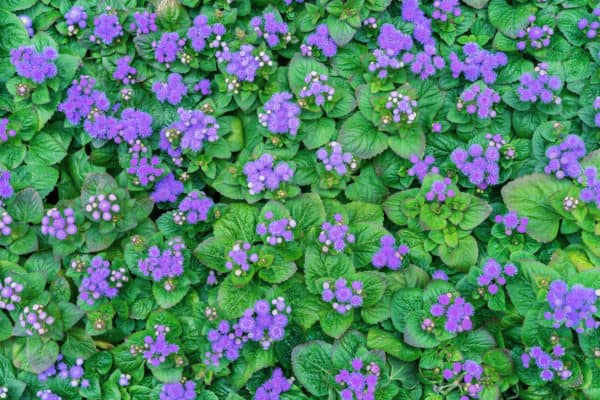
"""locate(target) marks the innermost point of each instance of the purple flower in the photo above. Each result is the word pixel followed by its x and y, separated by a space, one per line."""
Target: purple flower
pixel 35 320
pixel 166 49
pixel 203 86
pixel 316 90
pixel 37 66
pixel 270 29
pixel 475 100
pixel 482 168
pixel 28 23
pixel 539 87
pixel 273 387
pixel 243 64
pixel 10 293
pixel 564 158
pixel 478 63
pixel 278 231
pixel 191 131
pixel 106 28
pixel 59 224
pixel 167 190
pixel 280 114
pixel 335 159
pixel 262 174
pixel 167 263
pixel 422 167
pixel 240 259
pixel 443 9
pixel 102 207
pixel 360 382
pixel 47 395
pixel 589 194
pixel 144 23
pixel 573 308
pixel 321 40
pixel 549 364
pixel 440 190
pixel 456 311
pixel 343 295
pixel 494 275
pixel 335 235
pixel 172 91
pixel 195 207
pixel 388 255
pixel 536 37
pixel 124 72
pixel 83 101
pixel 5 132
pixel 178 391
pixel 76 17
pixel 156 350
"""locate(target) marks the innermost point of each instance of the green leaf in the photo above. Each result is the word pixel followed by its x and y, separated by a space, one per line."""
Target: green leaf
pixel 414 335
pixel 46 149
pixel 299 68
pixel 70 314
pixel 233 301
pixel 211 253
pixel 509 19
pixel 16 5
pixel 168 298
pixel 6 328
pixel 382 340
pixel 14 33
pixel 78 344
pixel 340 32
pixel 41 353
pixel 278 272
pixel 463 256
pixel 405 301
pixel 500 361
pixel 27 206
pixel 333 323
pixel 474 343
pixel 408 143
pixel 361 138
pixel 317 133
pixel 312 366
pixel 320 265
pixel 475 214
pixel 238 222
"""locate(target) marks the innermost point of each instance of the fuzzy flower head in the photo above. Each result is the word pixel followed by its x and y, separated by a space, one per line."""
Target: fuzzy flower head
pixel 421 168
pixel 512 222
pixel 564 158
pixel 335 160
pixel 335 235
pixel 34 65
pixel 591 186
pixel 321 40
pixel 263 174
pixel 469 374
pixel 280 114
pixel 343 295
pixel 276 231
pixel 479 101
pixel 107 28
pixel 440 190
pixel 539 86
pixel 388 254
pixel 573 308
pixel 455 311
pixel 534 36
pixel 477 64
pixel 481 167
pixel 241 258
pixel 493 275
pixel 359 381
pixel 549 364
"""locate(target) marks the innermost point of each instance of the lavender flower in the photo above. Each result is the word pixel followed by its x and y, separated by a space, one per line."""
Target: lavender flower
pixel 6 189
pixel 455 310
pixel 74 374
pixel 100 281
pixel 536 37
pixel 471 382
pixel 343 296
pixel 194 208
pixel 481 168
pixel 590 28
pixel 37 66
pixel 591 191
pixel 239 260
pixel 277 231
pixel 440 190
pixel 358 384
pixel 156 350
pixel 10 294
pixel 124 72
pixel 549 364
pixel 144 23
pixel 478 63
pixel 321 40
pixel 107 28
pixel 422 167
pixel 59 224
pixel 564 158
pixel 124 380
pixel 273 387
pixel 511 221
pixel 442 9
pixel 201 31
pixel 203 86
pixel 83 101
pixel 28 23
pixel 243 64
pixel 335 235
pixel 316 91
pixel 270 29
pixel 5 133
pixel 262 174
pixel 539 87
pixel 167 190
pixel 402 108
pixel 47 395
pixel 166 49
pixel 178 391
pixel 478 100
pixel 192 131
pixel 494 275
pixel 75 18
pixel 280 115
pixel 168 263
pixel 102 206
pixel 35 320
pixel 573 308
pixel 596 106
pixel 388 255
pixel 172 91
pixel 5 222
pixel 334 159
pixel 439 275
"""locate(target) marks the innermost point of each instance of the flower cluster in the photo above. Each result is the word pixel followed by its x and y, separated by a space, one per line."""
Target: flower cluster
pixel 74 374
pixel 442 9
pixel 440 190
pixel 317 88
pixel 388 255
pixel 596 106
pixel 59 224
pixel 535 36
pixel 402 108
pixel 76 18
pixel 564 158
pixel 470 382
pixel 47 395
pixel 478 63
pixel 335 159
pixel 193 209
pixel 145 169
pixel 268 27
pixel 262 175
pixel 37 66
pixel 107 28
pixel 273 387
pixel 480 167
pixel 539 87
pixel 124 72
pixel 144 22
pixel 172 91
pixel 573 308
pixel 343 295
pixel 591 191
pixel 35 320
pixel 193 129
pixel 203 86
pixel 476 100
pixel 421 168
pixel 102 207
pixel 512 222
pixel 5 221
pixel 242 63
pixel 5 133
pixel 264 323
pixel 168 263
pixel 167 47
pixel 201 30
pixel 549 364
pixel 28 23
pixel 321 40
pixel 167 189
pixel 100 281
pixel 592 27
pixel 238 259
pixel 133 124
pixel 9 293
pixel 280 114
pixel 83 101
pixel 456 310
pixel 391 43
pixel 278 230
pixel 156 350
pixel 494 275
pixel 357 384
pixel 6 189
pixel 335 235
pixel 178 391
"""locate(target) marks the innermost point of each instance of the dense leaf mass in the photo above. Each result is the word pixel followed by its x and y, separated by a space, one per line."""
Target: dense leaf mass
pixel 299 199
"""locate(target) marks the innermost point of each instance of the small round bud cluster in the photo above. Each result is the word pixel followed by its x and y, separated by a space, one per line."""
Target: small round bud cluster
pixel 126 94
pixel 193 209
pixel 233 85
pixel 427 325
pixel 591 182
pixel 539 86
pixel 178 391
pixel 156 350
pixel 73 373
pixel 496 140
pixel 35 320
pixel 573 308
pixel 590 28
pixel 59 224
pixel 102 207
pixel 564 158
pixel 388 255
pixel 335 235
pixel 264 323
pixel 421 168
pixel 262 174
pixel 23 90
pixel 356 383
pixel 76 18
pixel 455 310
pixel 9 294
pixel 166 264
pixel 268 27
pixel 47 395
pixel 280 114
pixel 335 159
pixel 440 190
pixel 480 167
pixel 570 203
pixel 5 222
pixel 536 37
pixel 100 281
pixel 274 386
pixel 243 64
pixel 210 313
pixel 5 133
pixel 511 221
pixel 316 88
pixel 34 65
pixel 144 169
pixel 124 380
pixel 494 275
pixel 549 364
pixel 475 100
pixel 370 22
pixel 444 10
pixel 240 259
pixel 342 295
pixel 26 20
pixel 402 107
pixel 471 382
pixel 278 230
pixel 107 28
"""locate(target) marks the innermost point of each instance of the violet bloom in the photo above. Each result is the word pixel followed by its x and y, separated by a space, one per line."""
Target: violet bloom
pixel 591 182
pixel 178 391
pixel 388 255
pixel 481 167
pixel 156 350
pixel 172 91
pixel 273 387
pixel 478 63
pixel 277 231
pixel 34 65
pixel 573 308
pixel 262 174
pixel 343 295
pixel 494 276
pixel 335 235
pixel 539 87
pixel 422 167
pixel 82 100
pixel 335 159
pixel 162 264
pixel 100 281
pixel 549 364
pixel 564 158
pixel 144 23
pixel 280 114
pixel 59 224
pixel 512 222
pixel 107 28
pixel 167 190
pixel 5 132
pixel 440 190
pixel 321 40
pixel 195 207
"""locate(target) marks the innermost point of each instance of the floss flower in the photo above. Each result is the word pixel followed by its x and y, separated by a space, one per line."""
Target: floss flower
pixel 280 114
pixel 262 174
pixel 388 255
pixel 37 66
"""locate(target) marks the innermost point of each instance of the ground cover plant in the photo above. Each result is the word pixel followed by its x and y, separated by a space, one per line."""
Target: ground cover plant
pixel 288 199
